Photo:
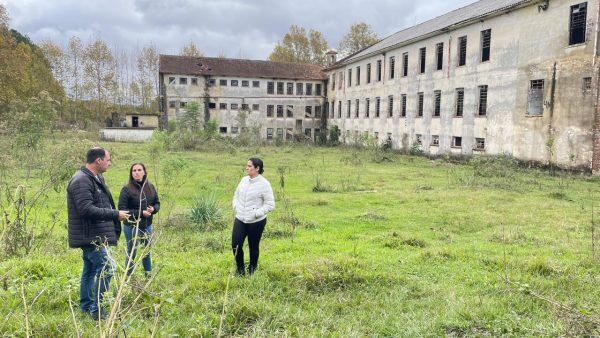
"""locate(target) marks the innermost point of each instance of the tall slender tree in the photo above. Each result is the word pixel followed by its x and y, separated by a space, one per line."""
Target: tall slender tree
pixel 99 73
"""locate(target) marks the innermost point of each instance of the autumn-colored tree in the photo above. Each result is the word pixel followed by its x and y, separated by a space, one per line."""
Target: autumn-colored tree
pixel 359 36
pixel 298 47
pixel 147 71
pixel 191 49
pixel 99 73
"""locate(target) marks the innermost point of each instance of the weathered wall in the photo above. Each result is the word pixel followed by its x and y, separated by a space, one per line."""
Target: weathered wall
pixel 126 134
pixel 525 45
pixel 147 121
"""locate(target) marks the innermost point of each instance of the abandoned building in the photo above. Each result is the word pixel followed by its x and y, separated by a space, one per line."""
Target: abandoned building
pixel 280 100
pixel 514 77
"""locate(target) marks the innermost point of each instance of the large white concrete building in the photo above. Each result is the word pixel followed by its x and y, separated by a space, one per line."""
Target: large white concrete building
pixel 514 77
pixel 280 100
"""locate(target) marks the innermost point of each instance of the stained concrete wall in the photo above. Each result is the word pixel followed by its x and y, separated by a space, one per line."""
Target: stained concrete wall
pixel 229 118
pixel 526 44
pixel 126 134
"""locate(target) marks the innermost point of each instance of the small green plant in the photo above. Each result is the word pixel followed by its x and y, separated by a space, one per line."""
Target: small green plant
pixel 206 213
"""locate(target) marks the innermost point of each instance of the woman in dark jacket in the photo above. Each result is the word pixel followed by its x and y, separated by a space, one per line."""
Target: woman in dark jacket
pixel 140 198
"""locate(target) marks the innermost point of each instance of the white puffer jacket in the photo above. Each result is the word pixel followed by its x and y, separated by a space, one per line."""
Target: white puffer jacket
pixel 253 199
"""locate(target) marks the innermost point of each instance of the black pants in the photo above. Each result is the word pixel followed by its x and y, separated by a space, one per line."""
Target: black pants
pixel 254 232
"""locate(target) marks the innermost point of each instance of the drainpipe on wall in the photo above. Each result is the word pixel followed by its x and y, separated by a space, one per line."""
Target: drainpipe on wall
pixel 596 129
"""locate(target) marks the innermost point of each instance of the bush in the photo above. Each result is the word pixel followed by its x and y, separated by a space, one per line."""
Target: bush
pixel 206 213
pixel 334 136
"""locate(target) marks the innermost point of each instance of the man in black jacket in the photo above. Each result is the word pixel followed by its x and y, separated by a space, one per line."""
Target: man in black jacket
pixel 94 225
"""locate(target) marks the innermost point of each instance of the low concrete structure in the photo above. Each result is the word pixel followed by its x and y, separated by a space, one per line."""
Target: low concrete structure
pixel 141 121
pixel 126 134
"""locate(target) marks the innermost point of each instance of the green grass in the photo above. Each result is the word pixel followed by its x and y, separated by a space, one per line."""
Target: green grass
pixel 408 247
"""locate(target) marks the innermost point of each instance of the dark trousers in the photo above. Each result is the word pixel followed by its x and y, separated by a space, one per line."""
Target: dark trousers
pixel 254 232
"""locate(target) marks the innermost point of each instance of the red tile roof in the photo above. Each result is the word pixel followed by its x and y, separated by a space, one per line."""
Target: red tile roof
pixel 186 65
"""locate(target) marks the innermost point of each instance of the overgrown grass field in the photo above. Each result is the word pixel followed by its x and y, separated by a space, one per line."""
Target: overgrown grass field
pixel 403 247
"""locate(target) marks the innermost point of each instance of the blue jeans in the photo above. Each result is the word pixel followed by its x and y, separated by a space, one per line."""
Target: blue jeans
pixel 98 269
pixel 144 236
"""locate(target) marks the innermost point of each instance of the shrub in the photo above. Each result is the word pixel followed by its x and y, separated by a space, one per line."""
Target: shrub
pixel 206 213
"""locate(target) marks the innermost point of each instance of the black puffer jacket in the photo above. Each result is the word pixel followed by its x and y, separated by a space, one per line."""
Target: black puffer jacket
pixel 130 201
pixel 93 218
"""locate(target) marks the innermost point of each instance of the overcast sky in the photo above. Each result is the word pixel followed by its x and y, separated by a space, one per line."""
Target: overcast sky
pixel 236 28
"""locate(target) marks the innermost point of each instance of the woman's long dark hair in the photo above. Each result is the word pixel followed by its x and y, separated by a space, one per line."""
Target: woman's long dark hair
pixel 135 186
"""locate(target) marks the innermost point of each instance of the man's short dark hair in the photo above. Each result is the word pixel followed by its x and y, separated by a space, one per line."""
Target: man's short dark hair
pixel 94 154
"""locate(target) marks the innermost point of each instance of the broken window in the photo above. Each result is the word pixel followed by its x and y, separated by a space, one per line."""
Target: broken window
pixel 222 105
pixel 308 132
pixel 460 102
pixel 172 80
pixel 479 143
pixel 279 110
pixel 223 82
pixel 269 133
pixel 280 88
pixel 183 80
pixel 318 111
pixel 234 130
pixel 439 55
pixel 378 70
pixel 392 67
pixel 256 84
pixel 332 110
pixel 390 106
pixel 270 87
pixel 318 89
pixel 356 106
pixel 419 104
pixel 194 81
pixel 309 89
pixel 332 82
pixel 300 88
pixel 289 110
pixel 536 98
pixel 290 88
pixel 577 23
pixel 358 75
pixel 377 106
pixel 223 130
pixel 486 39
pixel 462 51
pixel 289 134
pixel 308 111
pixel 339 109
pixel 245 83
pixel 212 82
pixel 341 79
pixel 234 106
pixel 368 73
pixel 435 140
pixel 182 104
pixel 348 110
pixel 172 104
pixel 350 77
pixel 270 109
pixel 405 64
pixel 367 107
pixel 255 107
pixel 212 105
pixel 280 133
pixel 234 83
pixel 403 105
pixel 245 106
pixel 482 107
pixel 587 84
pixel 437 102
pixel 422 54
pixel 418 139
pixel 456 141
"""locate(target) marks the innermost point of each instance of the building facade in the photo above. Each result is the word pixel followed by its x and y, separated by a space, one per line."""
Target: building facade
pixel 279 100
pixel 511 77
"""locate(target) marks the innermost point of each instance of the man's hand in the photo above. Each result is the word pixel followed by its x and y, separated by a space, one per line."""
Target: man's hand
pixel 146 213
pixel 123 215
pixel 150 209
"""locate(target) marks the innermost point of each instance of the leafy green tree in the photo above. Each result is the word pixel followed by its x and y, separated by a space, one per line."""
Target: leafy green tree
pixel 30 120
pixel 360 36
pixel 191 119
pixel 298 47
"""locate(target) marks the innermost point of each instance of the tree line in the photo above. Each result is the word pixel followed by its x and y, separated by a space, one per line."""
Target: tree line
pixel 89 81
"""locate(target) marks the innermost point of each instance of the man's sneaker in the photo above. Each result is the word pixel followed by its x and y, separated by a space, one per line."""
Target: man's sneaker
pixel 99 315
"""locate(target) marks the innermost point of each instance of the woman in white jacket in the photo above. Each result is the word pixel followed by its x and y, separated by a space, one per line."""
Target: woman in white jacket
pixel 252 200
